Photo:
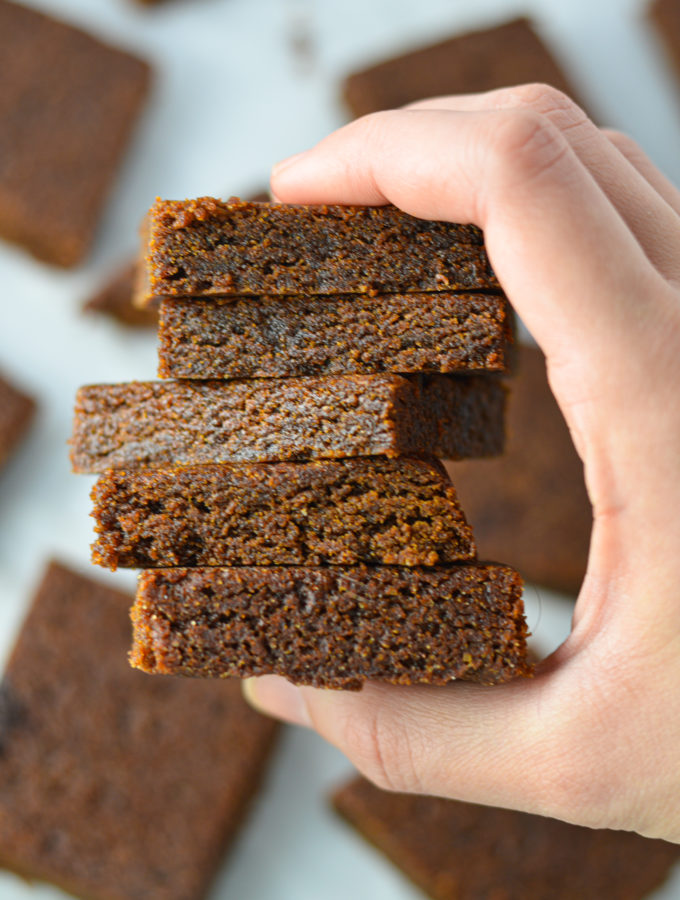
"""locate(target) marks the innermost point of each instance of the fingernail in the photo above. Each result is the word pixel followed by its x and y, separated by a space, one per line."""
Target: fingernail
pixel 277 697
pixel 286 163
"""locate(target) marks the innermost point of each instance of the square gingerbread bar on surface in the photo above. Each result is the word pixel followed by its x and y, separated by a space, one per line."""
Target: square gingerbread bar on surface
pixel 529 507
pixel 68 104
pixel 327 512
pixel 169 423
pixel 16 413
pixel 469 63
pixel 276 337
pixel 208 247
pixel 459 851
pixel 113 785
pixel 334 627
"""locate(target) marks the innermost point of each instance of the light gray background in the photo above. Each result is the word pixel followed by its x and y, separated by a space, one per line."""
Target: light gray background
pixel 231 96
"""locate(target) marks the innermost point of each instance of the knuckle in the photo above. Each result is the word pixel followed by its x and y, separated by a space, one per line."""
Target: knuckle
pixel 622 142
pixel 526 144
pixel 382 750
pixel 547 100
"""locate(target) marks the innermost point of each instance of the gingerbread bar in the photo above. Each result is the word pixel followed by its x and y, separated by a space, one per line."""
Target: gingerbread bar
pixel 114 785
pixel 16 412
pixel 208 247
pixel 114 299
pixel 333 627
pixel 458 851
pixel 530 507
pixel 340 512
pixel 280 337
pixel 169 423
pixel 508 54
pixel 68 104
pixel 665 14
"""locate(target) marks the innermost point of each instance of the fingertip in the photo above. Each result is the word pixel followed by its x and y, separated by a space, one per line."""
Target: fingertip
pixel 277 697
pixel 286 176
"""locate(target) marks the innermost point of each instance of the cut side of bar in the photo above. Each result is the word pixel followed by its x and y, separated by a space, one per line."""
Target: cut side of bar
pixel 170 423
pixel 278 337
pixel 339 512
pixel 459 851
pixel 333 627
pixel 207 247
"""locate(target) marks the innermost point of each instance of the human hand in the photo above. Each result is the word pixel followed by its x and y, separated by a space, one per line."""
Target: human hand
pixel 584 235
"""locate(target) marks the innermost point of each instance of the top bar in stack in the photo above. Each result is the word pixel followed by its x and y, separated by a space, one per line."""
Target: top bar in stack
pixel 209 247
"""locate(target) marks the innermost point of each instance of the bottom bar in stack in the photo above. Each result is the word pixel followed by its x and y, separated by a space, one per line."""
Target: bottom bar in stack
pixel 333 627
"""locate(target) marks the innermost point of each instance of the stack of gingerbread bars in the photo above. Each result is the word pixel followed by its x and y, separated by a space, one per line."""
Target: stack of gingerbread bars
pixel 280 486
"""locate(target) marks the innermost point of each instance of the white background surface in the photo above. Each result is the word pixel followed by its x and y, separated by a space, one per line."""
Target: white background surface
pixel 231 96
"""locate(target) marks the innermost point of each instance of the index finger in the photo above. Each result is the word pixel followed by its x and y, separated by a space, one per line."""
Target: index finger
pixel 567 260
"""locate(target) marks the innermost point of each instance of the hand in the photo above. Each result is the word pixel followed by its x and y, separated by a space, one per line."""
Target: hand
pixel 584 235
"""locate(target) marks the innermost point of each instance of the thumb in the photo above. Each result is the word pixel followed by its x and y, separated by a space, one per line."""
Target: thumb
pixel 486 745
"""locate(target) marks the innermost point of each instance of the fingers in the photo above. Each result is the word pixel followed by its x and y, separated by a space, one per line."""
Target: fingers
pixel 426 740
pixel 551 232
pixel 635 193
pixel 639 159
pixel 537 745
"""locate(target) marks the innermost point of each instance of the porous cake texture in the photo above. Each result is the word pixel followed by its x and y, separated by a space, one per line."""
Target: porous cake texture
pixel 327 512
pixel 333 627
pixel 278 337
pixel 169 423
pixel 208 247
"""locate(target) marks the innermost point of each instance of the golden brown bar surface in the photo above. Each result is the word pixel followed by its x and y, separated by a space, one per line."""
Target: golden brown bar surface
pixel 275 337
pixel 327 512
pixel 169 423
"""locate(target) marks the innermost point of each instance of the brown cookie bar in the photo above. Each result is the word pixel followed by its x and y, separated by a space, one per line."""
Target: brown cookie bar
pixel 333 627
pixel 340 512
pixel 209 247
pixel 458 851
pixel 67 107
pixel 288 336
pixel 530 507
pixel 508 54
pixel 113 785
pixel 16 412
pixel 169 423
pixel 115 299
pixel 665 14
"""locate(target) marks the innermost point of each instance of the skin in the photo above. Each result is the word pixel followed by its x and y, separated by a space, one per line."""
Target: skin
pixel 584 235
